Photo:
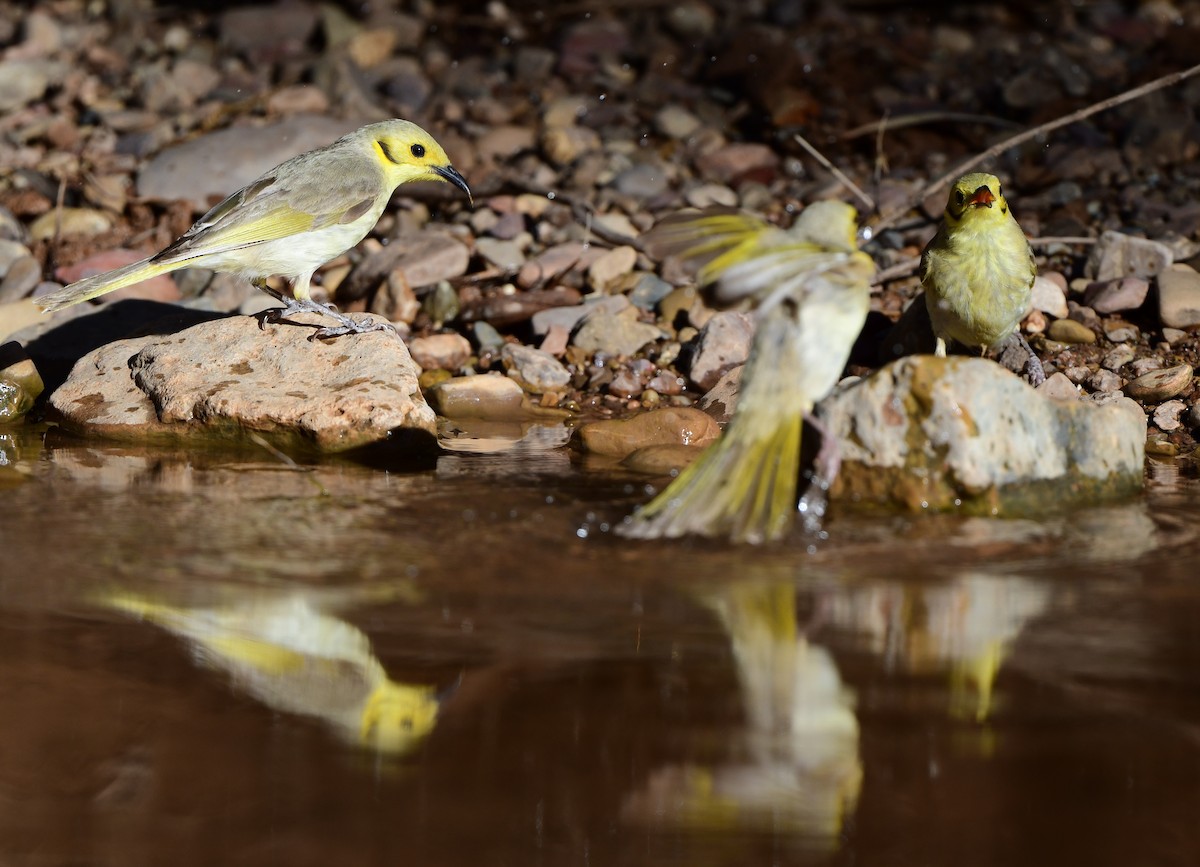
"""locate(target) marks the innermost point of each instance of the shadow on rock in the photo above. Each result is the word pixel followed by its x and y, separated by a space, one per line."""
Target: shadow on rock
pixel 57 347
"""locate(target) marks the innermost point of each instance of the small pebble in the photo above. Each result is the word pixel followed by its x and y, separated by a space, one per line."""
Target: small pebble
pixel 1166 415
pixel 1158 385
pixel 1070 331
pixel 1104 380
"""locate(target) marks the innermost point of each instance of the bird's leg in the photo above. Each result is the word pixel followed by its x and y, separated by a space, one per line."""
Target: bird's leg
pixel 302 302
pixel 1033 366
pixel 826 465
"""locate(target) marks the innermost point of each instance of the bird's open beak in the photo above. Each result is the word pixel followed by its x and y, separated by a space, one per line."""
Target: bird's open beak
pixel 450 173
pixel 982 197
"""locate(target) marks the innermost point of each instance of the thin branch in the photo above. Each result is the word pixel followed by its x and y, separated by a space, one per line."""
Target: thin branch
pixel 895 272
pixel 923 117
pixel 1061 239
pixel 1041 129
pixel 836 172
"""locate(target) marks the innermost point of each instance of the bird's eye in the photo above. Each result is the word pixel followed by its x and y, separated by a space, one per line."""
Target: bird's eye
pixel 418 150
pixel 960 197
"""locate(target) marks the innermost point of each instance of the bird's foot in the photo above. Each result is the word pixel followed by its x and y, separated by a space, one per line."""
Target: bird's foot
pixel 345 325
pixel 826 465
pixel 1034 372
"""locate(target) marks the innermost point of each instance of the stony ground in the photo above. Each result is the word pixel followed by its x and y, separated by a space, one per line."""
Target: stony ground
pixel 578 125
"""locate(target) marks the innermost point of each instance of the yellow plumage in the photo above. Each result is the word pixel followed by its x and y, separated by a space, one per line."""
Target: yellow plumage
pixel 293 219
pixel 978 270
pixel 812 284
pixel 293 658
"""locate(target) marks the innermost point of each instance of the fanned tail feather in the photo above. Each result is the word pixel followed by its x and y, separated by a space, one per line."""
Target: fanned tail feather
pixel 99 284
pixel 743 487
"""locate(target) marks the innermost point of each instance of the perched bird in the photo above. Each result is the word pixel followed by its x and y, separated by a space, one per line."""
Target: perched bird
pixel 812 283
pixel 978 271
pixel 296 659
pixel 293 219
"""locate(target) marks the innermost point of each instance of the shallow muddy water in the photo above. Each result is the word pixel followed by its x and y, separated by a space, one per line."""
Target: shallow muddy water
pixel 226 658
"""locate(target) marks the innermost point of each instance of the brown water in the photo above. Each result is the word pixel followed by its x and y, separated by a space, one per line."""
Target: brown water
pixel 222 658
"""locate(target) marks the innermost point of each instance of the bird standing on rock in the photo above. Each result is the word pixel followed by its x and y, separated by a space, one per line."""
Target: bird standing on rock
pixel 812 283
pixel 978 271
pixel 293 219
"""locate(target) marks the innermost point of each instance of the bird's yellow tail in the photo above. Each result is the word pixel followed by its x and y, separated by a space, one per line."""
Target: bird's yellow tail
pixel 744 487
pixel 99 284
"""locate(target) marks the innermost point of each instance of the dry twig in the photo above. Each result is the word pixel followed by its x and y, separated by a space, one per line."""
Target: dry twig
pixel 1041 129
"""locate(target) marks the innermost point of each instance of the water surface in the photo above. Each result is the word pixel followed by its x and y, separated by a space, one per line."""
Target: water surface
pixel 226 657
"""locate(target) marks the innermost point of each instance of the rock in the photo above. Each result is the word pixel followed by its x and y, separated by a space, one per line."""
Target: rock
pixel 490 396
pixel 555 261
pixel 721 400
pixel 739 161
pixel 423 258
pixel 11 251
pixel 68 222
pixel 569 317
pixel 220 162
pixel 1173 335
pixel 268 30
pixel 1166 415
pixel 25 81
pixel 487 338
pixel 614 263
pixel 710 195
pixel 1104 381
pixel 440 351
pixel 1117 255
pixel 648 291
pixel 675 122
pixel 20 383
pixel 396 302
pixel 503 142
pixel 565 144
pixel 505 255
pixel 17 315
pixel 962 433
pixel 1059 387
pixel 1111 296
pixel 160 288
pixel 1117 358
pixel 723 344
pixel 620 333
pixel 1049 297
pixel 1120 332
pixel 641 181
pixel 662 459
pixel 1145 365
pixel 1179 296
pixel 534 370
pixel 19 280
pixel 1070 331
pixel 298 99
pixel 1159 385
pixel 229 378
pixel 670 426
pixel 509 309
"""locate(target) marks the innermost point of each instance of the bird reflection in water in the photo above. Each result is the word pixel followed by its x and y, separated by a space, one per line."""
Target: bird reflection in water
pixel 797 767
pixel 293 658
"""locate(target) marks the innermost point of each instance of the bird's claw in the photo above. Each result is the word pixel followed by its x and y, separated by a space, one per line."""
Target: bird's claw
pixel 346 324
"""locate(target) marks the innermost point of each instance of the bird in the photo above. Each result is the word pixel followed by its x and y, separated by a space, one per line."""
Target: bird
pixel 978 271
pixel 812 284
pixel 292 219
pixel 293 657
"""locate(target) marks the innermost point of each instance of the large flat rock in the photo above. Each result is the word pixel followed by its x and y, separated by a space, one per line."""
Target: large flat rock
pixel 230 379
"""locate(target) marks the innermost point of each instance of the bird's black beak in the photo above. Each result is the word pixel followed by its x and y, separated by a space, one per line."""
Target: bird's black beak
pixel 450 173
